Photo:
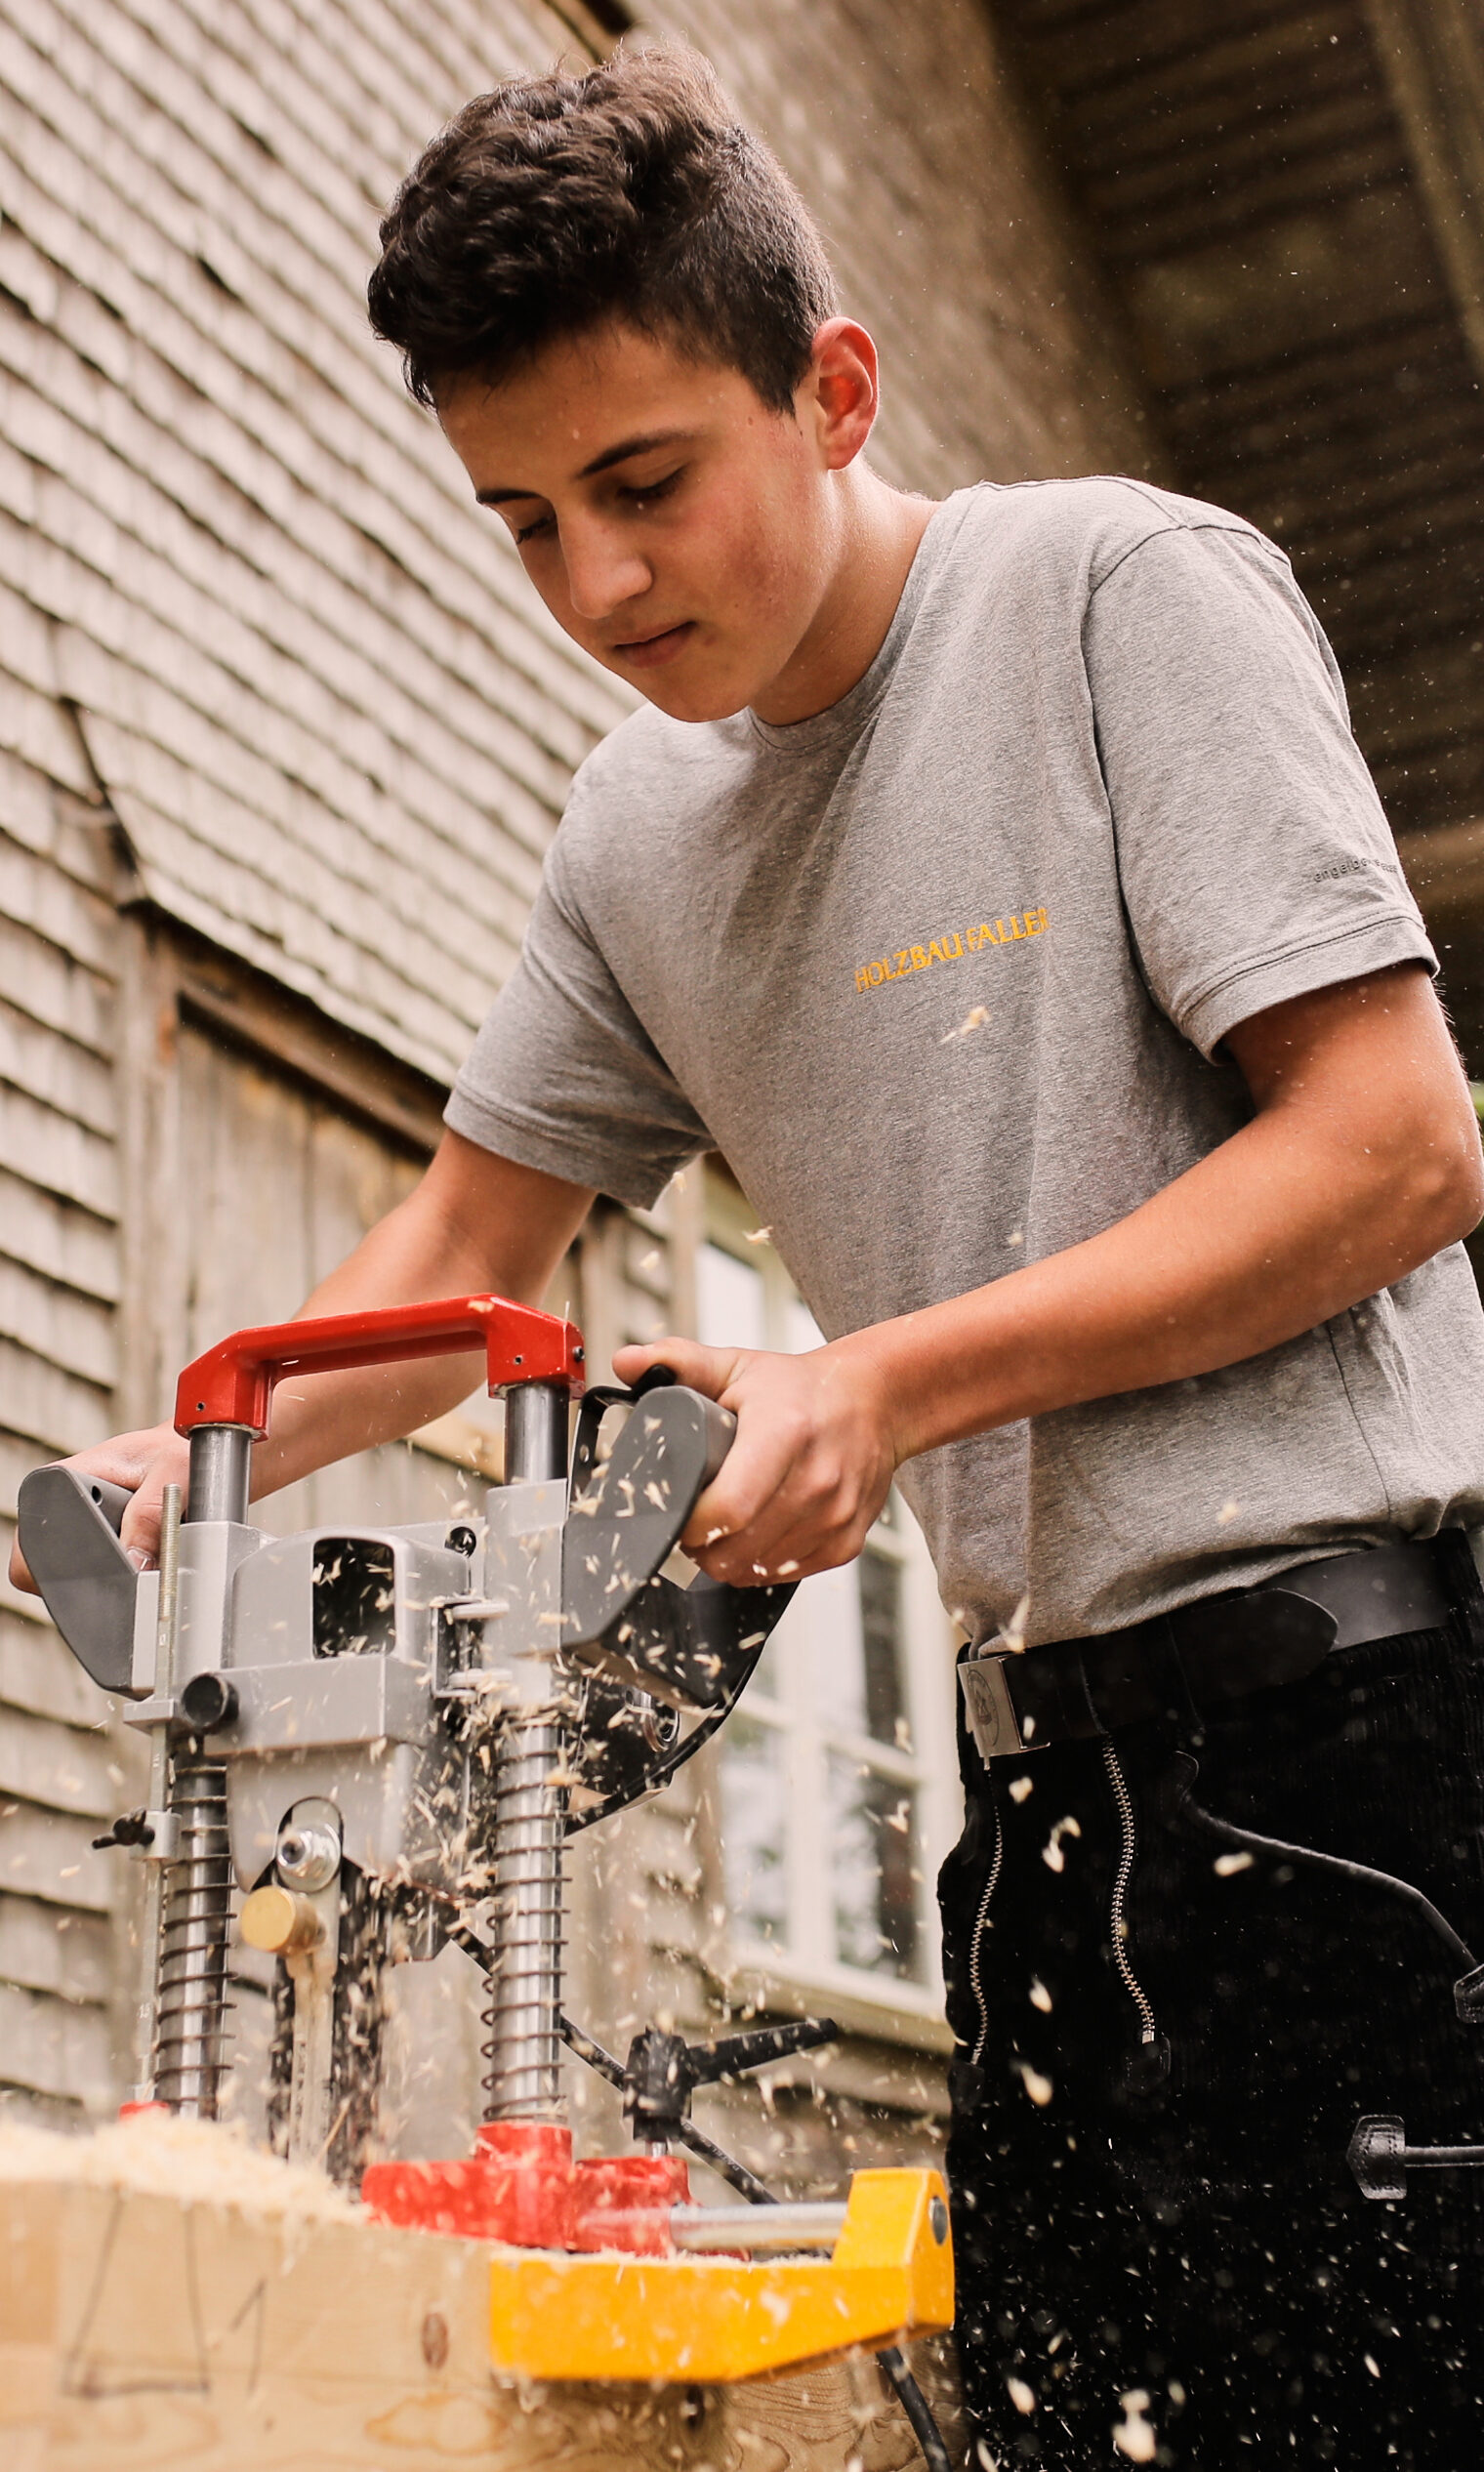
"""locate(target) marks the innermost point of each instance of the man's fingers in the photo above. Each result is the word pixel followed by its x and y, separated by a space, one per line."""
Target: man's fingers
pixel 708 1370
pixel 142 1463
pixel 140 1529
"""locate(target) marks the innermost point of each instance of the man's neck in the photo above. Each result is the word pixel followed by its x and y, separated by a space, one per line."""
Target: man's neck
pixel 876 535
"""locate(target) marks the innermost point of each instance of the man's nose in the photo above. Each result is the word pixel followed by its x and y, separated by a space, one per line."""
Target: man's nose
pixel 603 570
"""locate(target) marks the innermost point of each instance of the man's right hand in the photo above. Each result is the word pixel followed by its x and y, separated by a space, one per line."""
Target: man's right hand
pixel 144 1463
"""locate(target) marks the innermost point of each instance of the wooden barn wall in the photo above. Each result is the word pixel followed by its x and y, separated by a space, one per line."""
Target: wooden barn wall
pixel 265 672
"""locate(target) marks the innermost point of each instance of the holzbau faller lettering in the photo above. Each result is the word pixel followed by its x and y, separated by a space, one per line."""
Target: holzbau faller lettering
pixel 949 948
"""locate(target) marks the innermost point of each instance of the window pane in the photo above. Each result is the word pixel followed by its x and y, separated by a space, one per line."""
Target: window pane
pixel 728 1300
pixel 753 1816
pixel 873 1840
pixel 881 1641
pixel 820 1635
pixel 802 1331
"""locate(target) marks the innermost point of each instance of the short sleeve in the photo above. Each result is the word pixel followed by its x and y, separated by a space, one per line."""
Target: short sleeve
pixel 562 1076
pixel 1254 858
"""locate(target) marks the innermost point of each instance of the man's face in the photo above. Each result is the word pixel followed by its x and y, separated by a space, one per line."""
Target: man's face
pixel 674 525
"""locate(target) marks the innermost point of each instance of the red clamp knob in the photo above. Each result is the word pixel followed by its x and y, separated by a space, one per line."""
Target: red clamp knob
pixel 232 1383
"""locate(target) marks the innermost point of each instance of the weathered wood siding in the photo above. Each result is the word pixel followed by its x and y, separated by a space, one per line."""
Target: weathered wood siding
pixel 60 1770
pixel 314 690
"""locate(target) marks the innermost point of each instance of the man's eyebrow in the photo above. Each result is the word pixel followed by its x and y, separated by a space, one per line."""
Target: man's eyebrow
pixel 610 455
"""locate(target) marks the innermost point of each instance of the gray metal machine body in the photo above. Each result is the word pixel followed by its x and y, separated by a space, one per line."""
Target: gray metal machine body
pixel 404 1708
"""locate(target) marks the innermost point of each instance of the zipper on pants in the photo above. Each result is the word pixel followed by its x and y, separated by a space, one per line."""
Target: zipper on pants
pixel 981 1927
pixel 1153 2062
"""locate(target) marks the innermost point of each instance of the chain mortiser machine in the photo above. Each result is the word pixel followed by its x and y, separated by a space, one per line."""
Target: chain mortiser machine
pixel 378 1735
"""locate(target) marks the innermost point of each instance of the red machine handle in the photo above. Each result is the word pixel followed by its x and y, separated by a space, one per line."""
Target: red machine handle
pixel 232 1383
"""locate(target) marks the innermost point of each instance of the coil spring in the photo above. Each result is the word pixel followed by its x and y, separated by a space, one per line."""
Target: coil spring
pixel 523 2046
pixel 190 2030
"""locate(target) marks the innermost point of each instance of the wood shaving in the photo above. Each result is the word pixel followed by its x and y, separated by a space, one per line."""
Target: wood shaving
pixel 156 2155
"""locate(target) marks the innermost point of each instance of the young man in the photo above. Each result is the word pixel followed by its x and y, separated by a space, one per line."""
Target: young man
pixel 998 884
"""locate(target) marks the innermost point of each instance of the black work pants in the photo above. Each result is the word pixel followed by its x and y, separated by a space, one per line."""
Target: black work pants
pixel 1173 2218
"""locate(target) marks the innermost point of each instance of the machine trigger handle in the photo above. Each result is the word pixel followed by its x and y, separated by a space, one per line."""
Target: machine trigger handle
pixel 68 1526
pixel 232 1383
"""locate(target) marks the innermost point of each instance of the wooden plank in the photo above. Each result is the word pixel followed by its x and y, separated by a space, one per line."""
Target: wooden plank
pixel 1208 313
pixel 44 898
pixel 47 1406
pixel 48 1854
pixel 1432 55
pixel 69 1246
pixel 65 1243
pixel 56 1153
pixel 52 989
pixel 138 2329
pixel 58 1767
pixel 68 1955
pixel 55 2046
pixel 37 1672
pixel 51 1066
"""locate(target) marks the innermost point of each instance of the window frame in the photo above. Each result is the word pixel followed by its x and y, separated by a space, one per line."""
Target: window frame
pixel 804 1964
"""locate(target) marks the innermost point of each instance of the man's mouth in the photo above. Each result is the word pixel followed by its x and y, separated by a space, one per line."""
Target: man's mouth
pixel 648 652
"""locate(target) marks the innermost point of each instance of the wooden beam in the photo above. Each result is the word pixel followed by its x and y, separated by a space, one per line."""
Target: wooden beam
pixel 141 2325
pixel 1433 54
pixel 1446 872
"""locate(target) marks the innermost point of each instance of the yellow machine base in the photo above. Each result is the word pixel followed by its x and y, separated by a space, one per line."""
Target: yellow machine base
pixel 714 2320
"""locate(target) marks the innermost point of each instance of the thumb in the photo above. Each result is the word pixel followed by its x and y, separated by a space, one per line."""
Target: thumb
pixel 709 1369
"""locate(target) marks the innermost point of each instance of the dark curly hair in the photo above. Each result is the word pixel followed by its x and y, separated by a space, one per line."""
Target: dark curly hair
pixel 555 203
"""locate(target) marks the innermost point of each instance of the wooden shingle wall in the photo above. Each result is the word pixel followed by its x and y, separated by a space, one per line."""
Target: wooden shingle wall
pixel 264 672
pixel 314 690
pixel 59 1769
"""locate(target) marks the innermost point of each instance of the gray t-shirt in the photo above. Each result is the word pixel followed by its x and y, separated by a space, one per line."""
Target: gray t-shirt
pixel 944 973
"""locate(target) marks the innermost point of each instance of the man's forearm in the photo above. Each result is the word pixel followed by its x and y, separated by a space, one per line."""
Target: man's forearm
pixel 1239 1255
pixel 1362 1160
pixel 1304 1212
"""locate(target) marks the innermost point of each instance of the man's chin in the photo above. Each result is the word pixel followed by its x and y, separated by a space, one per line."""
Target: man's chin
pixel 697 702
pixel 699 691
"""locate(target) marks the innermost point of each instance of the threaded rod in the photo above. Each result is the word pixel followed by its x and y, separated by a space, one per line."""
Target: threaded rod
pixel 189 2056
pixel 524 1981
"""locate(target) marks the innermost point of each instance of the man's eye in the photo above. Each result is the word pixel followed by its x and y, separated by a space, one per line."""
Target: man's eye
pixel 640 495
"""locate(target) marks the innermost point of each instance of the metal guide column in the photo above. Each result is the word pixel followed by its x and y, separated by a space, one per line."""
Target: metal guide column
pixel 523 2050
pixel 191 2030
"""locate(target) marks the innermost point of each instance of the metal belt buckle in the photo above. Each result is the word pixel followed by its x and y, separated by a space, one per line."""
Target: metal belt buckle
pixel 989 1708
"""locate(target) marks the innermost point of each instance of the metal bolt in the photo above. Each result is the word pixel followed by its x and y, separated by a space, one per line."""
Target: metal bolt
pixel 938 2217
pixel 309 1855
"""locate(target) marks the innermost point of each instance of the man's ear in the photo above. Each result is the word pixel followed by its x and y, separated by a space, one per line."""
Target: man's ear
pixel 841 393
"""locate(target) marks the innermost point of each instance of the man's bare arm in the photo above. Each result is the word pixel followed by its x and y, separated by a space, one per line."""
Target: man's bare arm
pixel 475 1223
pixel 1362 1160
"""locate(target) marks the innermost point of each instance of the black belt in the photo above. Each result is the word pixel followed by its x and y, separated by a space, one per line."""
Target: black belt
pixel 1219 1648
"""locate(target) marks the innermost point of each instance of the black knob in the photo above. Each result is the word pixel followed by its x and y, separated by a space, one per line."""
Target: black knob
pixel 208 1701
pixel 663 2070
pixel 131 1830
